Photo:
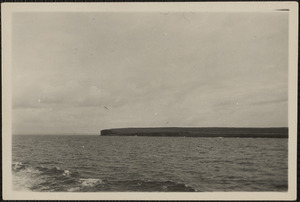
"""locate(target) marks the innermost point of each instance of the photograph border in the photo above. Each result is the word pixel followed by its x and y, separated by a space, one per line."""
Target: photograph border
pixel 7 10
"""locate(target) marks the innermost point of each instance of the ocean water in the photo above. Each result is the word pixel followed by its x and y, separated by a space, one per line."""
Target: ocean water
pixel 86 163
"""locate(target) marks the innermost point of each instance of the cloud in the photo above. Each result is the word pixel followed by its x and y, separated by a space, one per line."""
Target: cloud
pixel 73 93
pixel 270 101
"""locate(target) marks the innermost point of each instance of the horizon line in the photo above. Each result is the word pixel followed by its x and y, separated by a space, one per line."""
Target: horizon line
pixel 97 133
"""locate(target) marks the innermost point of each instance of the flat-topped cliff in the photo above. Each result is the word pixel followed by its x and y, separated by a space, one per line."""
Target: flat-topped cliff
pixel 200 132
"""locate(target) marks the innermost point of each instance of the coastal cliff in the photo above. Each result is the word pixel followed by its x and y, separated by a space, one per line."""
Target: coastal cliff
pixel 200 132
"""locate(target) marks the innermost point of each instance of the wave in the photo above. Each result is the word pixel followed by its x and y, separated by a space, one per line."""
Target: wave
pixel 42 178
pixel 153 185
pixel 56 179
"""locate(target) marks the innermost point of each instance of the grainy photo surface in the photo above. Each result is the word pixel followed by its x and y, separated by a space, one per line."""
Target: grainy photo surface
pixel 161 101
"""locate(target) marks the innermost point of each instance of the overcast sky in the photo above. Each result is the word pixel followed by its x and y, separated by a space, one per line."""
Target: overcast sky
pixel 83 72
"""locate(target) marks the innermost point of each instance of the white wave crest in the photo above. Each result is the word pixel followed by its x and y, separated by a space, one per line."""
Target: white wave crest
pixel 24 179
pixel 66 173
pixel 90 182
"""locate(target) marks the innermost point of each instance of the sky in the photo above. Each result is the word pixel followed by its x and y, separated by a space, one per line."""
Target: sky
pixel 79 73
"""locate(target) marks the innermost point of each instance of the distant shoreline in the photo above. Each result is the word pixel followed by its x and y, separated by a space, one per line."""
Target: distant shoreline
pixel 270 132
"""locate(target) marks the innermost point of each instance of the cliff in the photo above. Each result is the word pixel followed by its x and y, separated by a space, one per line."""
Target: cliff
pixel 200 132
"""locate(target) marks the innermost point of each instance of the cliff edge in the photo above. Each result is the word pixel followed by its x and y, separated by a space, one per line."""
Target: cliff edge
pixel 199 132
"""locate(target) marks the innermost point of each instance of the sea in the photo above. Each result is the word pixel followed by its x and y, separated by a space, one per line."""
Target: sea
pixel 93 163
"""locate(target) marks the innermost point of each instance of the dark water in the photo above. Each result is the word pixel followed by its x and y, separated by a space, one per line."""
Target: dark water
pixel 97 163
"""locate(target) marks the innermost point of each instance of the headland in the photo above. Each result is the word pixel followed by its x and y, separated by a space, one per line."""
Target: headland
pixel 281 132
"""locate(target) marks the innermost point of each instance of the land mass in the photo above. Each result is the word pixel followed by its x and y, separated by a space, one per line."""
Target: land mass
pixel 199 132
